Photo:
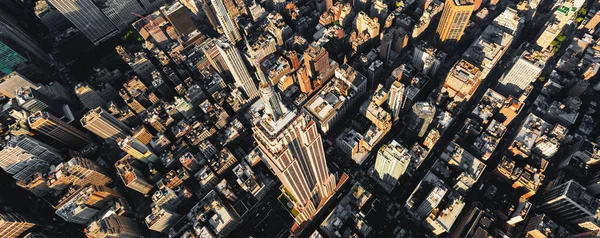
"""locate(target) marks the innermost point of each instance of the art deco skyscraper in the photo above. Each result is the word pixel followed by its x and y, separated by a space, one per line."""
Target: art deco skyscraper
pixel 229 28
pixel 293 149
pixel 103 124
pixel 58 130
pixel 236 66
pixel 454 20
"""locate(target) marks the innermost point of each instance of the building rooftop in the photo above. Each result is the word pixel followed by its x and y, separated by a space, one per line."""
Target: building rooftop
pixel 325 103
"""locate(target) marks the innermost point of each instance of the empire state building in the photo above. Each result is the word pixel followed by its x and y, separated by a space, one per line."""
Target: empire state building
pixel 293 149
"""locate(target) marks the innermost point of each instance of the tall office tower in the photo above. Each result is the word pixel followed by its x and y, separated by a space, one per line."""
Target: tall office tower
pixel 19 51
pixel 77 171
pixel 53 127
pixel 142 134
pixel 179 18
pixel 88 96
pixel 161 219
pixel 33 101
pixel 57 93
pixel 113 226
pixel 214 57
pixel 316 59
pixel 454 20
pixel 292 56
pixel 427 58
pixel 380 10
pixel 152 5
pixel 392 161
pixel 396 99
pixel 227 26
pixel 385 48
pixel 293 149
pixel 104 125
pixel 80 205
pixel 131 176
pixel 138 150
pixel 14 225
pixel 522 73
pixel 13 81
pixel 421 116
pixel 87 17
pixel 22 156
pixel 210 14
pixel 571 204
pixel 238 69
pixel 121 12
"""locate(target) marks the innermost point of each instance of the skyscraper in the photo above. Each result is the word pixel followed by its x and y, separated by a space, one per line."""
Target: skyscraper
pixel 58 130
pixel 177 15
pixel 88 96
pixel 293 149
pixel 33 101
pixel 79 206
pixel 131 176
pixel 571 204
pixel 427 58
pixel 238 69
pixel 396 99
pixel 22 156
pixel 137 149
pixel 392 161
pixel 454 20
pixel 422 115
pixel 227 26
pixel 104 125
pixel 19 51
pixel 316 59
pixel 151 5
pixel 14 225
pixel 77 171
pixel 120 12
pixel 87 17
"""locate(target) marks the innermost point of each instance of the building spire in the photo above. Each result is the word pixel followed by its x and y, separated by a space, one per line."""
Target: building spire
pixel 270 98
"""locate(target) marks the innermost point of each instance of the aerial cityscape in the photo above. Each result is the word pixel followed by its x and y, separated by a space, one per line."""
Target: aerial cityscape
pixel 300 118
